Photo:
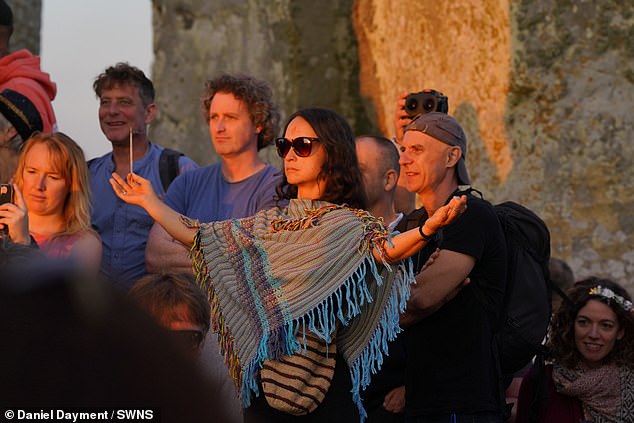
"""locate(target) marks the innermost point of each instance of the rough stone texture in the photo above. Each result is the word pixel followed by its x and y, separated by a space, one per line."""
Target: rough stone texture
pixel 570 112
pixel 404 46
pixel 544 88
pixel 27 22
pixel 306 52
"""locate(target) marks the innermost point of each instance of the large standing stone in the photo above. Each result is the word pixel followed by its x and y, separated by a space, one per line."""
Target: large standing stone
pixel 545 90
pixel 305 50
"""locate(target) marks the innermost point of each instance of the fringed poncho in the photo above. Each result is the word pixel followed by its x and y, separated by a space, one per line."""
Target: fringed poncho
pixel 307 266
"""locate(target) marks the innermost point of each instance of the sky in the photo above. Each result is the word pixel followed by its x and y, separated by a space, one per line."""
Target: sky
pixel 79 40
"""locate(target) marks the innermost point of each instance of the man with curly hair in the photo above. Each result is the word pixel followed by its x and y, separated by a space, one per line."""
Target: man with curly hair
pixel 242 119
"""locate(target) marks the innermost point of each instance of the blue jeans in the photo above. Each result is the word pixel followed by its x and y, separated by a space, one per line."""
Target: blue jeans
pixel 485 417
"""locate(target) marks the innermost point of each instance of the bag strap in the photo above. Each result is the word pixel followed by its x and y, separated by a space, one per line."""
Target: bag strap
pixel 168 166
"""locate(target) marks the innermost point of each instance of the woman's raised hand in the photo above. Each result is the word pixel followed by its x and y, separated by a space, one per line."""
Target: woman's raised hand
pixel 133 189
pixel 137 190
pixel 445 215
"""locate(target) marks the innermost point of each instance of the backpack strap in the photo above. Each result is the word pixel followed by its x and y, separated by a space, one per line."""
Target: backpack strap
pixel 168 166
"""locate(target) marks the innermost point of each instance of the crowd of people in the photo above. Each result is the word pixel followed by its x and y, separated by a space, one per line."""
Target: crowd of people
pixel 315 292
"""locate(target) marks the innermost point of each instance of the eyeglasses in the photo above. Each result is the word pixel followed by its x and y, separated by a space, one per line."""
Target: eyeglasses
pixel 189 339
pixel 302 146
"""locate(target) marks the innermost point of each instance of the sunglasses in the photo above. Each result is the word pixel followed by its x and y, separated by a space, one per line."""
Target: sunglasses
pixel 302 146
pixel 189 339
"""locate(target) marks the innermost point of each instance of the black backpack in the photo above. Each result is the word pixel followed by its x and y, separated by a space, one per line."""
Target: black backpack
pixel 527 301
pixel 168 166
pixel 527 305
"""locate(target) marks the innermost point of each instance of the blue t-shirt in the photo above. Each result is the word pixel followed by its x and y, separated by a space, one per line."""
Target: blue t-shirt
pixel 206 195
pixel 124 227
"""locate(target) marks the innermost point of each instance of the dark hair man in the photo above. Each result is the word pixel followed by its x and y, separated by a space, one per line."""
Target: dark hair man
pixel 126 108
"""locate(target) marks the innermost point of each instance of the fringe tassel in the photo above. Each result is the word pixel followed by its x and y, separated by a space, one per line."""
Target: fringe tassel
pixel 371 359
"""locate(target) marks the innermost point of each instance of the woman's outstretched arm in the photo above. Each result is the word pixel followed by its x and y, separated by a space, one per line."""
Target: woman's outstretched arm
pixel 137 190
pixel 408 243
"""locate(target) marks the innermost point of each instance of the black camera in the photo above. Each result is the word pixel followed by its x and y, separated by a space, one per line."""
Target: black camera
pixel 426 101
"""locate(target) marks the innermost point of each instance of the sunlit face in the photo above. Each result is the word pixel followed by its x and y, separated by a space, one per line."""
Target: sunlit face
pixel 304 171
pixel 44 189
pixel 230 127
pixel 121 108
pixel 424 161
pixel 596 331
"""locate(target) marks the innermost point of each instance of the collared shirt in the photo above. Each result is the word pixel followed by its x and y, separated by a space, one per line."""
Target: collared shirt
pixel 123 227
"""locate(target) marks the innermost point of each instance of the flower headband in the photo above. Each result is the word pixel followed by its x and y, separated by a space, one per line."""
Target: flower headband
pixel 608 294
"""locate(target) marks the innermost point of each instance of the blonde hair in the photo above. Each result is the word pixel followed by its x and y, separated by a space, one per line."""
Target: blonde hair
pixel 68 159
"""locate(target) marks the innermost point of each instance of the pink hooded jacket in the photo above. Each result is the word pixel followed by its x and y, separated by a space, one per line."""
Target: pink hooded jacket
pixel 20 71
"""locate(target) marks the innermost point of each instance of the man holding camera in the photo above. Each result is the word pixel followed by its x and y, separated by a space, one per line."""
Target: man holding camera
pixel 450 365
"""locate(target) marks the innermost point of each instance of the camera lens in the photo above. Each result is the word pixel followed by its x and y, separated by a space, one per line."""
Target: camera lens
pixel 411 104
pixel 430 104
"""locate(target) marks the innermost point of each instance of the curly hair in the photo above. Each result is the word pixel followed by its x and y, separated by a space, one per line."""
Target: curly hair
pixel 125 74
pixel 561 340
pixel 68 158
pixel 256 94
pixel 340 171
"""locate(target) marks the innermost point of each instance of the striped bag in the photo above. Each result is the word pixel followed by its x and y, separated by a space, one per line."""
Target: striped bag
pixel 297 384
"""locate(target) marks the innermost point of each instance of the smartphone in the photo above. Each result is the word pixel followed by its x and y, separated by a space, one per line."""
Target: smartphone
pixel 6 196
pixel 6 193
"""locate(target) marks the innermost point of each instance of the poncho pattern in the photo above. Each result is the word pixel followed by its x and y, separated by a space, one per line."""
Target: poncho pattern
pixel 307 266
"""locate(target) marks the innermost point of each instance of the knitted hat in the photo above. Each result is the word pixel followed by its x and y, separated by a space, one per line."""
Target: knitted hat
pixel 6 15
pixel 22 114
pixel 444 128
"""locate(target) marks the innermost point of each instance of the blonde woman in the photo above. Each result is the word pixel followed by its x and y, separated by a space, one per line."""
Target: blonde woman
pixel 52 200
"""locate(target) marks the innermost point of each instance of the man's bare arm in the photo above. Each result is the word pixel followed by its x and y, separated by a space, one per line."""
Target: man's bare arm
pixel 164 253
pixel 437 284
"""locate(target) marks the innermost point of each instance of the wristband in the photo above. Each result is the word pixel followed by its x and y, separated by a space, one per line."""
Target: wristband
pixel 425 238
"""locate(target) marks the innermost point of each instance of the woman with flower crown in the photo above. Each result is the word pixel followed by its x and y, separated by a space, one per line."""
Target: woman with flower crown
pixel 589 375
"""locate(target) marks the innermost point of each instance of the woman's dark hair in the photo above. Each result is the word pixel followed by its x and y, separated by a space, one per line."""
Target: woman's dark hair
pixel 344 184
pixel 562 332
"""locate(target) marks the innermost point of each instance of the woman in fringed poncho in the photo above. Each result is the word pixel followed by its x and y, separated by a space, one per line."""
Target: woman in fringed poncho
pixel 321 268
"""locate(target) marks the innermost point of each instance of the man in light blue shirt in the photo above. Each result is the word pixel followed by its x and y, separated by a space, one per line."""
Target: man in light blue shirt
pixel 126 107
